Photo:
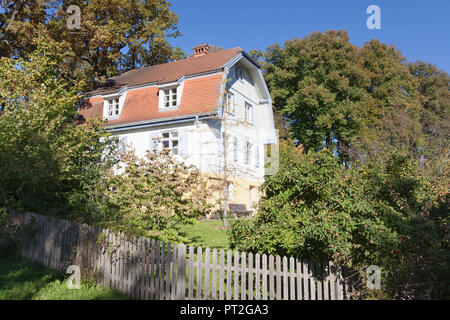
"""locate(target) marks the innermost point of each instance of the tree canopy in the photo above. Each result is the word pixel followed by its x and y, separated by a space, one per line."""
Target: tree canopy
pixel 358 101
pixel 115 36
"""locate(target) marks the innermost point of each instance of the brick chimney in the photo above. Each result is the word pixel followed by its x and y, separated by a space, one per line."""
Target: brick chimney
pixel 201 50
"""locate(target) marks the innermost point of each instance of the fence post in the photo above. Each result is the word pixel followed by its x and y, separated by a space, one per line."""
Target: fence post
pixel 250 276
pixel 236 275
pixel 285 279
pixel 257 274
pixel 181 274
pixel 206 268
pixel 243 277
pixel 191 273
pixel 222 274
pixel 229 257
pixel 199 273
pixel 214 275
pixel 292 278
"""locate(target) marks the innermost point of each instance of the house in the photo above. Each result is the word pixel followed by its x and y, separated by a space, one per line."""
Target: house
pixel 212 110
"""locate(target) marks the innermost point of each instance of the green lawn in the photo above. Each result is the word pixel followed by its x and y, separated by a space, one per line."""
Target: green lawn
pixel 24 280
pixel 206 233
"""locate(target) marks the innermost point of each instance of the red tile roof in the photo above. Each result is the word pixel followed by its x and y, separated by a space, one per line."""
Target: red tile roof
pixel 167 72
pixel 199 94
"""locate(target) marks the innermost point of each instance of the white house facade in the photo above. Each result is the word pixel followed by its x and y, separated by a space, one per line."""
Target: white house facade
pixel 212 110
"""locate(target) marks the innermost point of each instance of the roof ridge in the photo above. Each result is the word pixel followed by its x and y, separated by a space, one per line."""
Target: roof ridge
pixel 167 71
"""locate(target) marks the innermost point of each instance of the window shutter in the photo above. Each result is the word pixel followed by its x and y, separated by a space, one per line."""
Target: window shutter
pixel 161 98
pixel 153 145
pixel 235 153
pixel 220 142
pixel 257 156
pixel 246 151
pixel 183 142
pixel 123 144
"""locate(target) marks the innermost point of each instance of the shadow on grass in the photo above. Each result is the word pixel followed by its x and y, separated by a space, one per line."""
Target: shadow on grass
pixel 21 279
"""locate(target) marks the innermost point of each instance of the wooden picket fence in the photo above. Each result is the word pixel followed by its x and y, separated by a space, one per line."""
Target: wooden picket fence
pixel 149 269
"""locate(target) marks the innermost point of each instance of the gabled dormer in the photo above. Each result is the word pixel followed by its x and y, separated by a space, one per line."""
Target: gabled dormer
pixel 169 95
pixel 113 105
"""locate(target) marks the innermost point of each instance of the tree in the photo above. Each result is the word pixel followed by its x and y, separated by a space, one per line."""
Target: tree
pixel 395 108
pixel 357 101
pixel 316 209
pixel 318 83
pixel 433 86
pixel 44 155
pixel 115 36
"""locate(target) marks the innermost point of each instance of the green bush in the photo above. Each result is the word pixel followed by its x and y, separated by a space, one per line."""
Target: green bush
pixel 384 212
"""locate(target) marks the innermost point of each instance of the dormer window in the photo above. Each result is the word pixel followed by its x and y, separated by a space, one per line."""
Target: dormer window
pixel 170 98
pixel 113 107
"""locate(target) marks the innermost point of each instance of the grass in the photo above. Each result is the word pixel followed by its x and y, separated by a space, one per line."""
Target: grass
pixel 206 233
pixel 21 279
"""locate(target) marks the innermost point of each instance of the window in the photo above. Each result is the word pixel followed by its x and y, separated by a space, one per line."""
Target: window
pixel 248 148
pixel 119 142
pixel 113 107
pixel 250 197
pixel 170 141
pixel 229 103
pixel 239 73
pixel 248 113
pixel 170 98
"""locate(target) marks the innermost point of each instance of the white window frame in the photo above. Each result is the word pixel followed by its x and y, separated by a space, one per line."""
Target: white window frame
pixel 248 110
pixel 229 103
pixel 113 107
pixel 172 137
pixel 169 98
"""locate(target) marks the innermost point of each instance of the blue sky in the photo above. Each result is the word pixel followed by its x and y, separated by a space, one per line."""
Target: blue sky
pixel 420 29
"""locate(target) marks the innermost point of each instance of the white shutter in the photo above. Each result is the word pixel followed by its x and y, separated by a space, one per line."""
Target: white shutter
pixel 123 144
pixel 153 142
pixel 161 99
pixel 235 151
pixel 220 142
pixel 183 142
pixel 257 156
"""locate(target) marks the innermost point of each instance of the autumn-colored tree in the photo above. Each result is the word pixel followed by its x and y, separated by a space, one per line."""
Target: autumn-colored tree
pixel 115 36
